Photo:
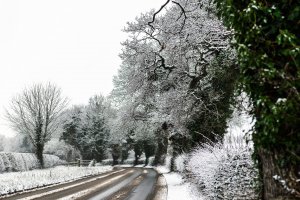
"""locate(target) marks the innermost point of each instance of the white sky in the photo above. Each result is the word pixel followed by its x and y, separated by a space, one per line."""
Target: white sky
pixel 72 43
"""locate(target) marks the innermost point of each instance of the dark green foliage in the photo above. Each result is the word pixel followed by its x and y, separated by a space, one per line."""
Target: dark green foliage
pixel 267 39
pixel 94 141
pixel 71 132
pixel 87 130
pixel 210 123
pixel 180 142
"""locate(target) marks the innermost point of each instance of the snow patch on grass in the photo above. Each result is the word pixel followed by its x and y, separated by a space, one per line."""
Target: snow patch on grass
pixel 38 178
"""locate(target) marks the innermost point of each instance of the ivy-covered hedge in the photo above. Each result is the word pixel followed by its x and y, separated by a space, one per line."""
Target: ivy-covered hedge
pixel 267 38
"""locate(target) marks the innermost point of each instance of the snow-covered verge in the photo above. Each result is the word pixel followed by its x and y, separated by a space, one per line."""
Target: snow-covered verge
pixel 178 187
pixel 12 162
pixel 44 177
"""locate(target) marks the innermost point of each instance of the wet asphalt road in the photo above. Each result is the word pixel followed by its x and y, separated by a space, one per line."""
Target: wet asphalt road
pixel 119 184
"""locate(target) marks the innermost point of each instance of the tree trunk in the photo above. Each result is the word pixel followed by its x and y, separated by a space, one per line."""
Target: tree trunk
pixel 136 160
pixel 162 147
pixel 173 164
pixel 115 160
pixel 147 161
pixel 115 152
pixel 39 154
pixel 273 176
pixel 125 154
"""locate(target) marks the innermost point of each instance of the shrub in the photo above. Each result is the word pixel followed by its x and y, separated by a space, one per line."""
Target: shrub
pixel 10 162
pixel 224 170
pixel 180 162
pixel 61 149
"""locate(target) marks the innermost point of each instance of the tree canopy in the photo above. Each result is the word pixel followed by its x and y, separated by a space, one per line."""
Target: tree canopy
pixel 35 112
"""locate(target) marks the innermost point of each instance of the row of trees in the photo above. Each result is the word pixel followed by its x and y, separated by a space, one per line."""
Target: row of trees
pixel 181 66
pixel 177 77
pixel 176 83
pixel 90 131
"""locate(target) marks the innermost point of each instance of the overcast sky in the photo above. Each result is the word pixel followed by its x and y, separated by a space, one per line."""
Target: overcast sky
pixel 72 43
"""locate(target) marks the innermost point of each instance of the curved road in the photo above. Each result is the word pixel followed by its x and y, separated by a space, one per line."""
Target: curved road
pixel 119 184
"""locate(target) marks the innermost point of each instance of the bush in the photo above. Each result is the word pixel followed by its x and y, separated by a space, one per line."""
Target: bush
pixel 12 162
pixel 224 170
pixel 180 162
pixel 61 149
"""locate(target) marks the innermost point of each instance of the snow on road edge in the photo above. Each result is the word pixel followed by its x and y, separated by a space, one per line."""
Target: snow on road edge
pixel 45 177
pixel 177 188
pixel 161 188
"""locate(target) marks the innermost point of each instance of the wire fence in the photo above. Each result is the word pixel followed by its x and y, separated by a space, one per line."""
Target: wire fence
pixel 82 163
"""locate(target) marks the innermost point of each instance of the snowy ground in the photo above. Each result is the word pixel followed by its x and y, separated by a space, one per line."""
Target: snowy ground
pixel 19 181
pixel 177 188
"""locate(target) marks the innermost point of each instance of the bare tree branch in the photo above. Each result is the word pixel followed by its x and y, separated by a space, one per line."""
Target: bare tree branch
pixel 154 15
pixel 182 13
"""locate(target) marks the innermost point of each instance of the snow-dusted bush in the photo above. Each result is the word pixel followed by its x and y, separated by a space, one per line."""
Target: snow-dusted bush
pixel 235 177
pixel 52 160
pixel 61 149
pixel 224 170
pixel 10 162
pixel 203 165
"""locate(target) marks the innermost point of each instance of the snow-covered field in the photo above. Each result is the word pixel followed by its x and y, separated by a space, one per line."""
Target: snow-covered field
pixel 19 181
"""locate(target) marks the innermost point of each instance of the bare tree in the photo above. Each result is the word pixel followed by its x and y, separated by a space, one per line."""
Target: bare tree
pixel 35 113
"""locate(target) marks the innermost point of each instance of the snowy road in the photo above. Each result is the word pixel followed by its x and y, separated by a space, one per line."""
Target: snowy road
pixel 125 183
